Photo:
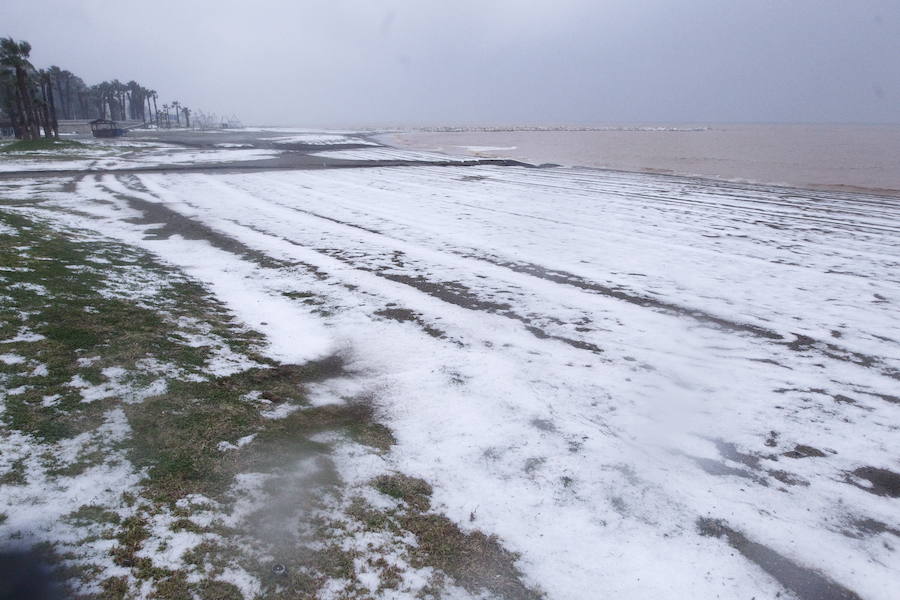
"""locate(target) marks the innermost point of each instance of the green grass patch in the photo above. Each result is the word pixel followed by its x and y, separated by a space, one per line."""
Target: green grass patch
pixel 15 475
pixel 415 492
pixel 176 435
pixel 56 290
pixel 88 514
pixel 43 144
pixel 131 311
pixel 476 561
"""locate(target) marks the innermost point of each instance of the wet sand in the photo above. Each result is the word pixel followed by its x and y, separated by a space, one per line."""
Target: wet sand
pixel 843 157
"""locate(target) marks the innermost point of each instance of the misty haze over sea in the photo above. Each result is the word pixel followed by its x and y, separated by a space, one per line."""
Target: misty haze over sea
pixel 348 63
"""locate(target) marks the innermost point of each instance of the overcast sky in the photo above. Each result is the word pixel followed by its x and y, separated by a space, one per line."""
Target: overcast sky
pixel 414 62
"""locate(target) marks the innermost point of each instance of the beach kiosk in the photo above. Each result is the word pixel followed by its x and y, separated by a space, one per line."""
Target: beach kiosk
pixel 104 128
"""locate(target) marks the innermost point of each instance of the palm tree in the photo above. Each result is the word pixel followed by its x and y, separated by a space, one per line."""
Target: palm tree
pixel 77 96
pixel 175 105
pixel 148 94
pixel 117 100
pixel 57 76
pixel 187 116
pixel 109 91
pixel 67 77
pixel 155 110
pixel 135 100
pixel 85 98
pixel 51 126
pixel 45 100
pixel 8 97
pixel 99 94
pixel 166 114
pixel 95 98
pixel 15 54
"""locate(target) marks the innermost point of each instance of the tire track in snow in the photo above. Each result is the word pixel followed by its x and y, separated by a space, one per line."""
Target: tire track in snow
pixel 455 293
pixel 173 222
pixel 690 478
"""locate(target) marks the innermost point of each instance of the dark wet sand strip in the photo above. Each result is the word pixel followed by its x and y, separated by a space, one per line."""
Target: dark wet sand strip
pixel 806 583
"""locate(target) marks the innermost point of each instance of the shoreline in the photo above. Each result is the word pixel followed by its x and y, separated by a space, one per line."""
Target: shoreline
pixel 839 158
pixel 888 193
pixel 462 152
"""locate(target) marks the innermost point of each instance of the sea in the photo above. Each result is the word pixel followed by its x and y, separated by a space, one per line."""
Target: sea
pixel 843 157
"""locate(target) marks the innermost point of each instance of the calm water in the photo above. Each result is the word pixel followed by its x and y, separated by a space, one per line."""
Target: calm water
pixel 835 156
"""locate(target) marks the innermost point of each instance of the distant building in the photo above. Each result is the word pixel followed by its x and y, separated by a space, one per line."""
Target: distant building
pixel 104 128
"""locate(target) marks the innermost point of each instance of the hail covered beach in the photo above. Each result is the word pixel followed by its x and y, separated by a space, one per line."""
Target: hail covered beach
pixel 283 363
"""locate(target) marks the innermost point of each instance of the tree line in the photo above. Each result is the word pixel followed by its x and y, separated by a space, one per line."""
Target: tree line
pixel 33 100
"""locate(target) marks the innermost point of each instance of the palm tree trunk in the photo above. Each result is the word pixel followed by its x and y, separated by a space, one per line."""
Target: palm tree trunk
pixel 18 119
pixel 54 123
pixel 67 109
pixel 45 109
pixel 30 120
pixel 56 86
pixel 48 128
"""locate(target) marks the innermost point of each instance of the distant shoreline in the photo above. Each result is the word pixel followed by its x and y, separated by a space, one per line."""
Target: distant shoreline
pixel 845 158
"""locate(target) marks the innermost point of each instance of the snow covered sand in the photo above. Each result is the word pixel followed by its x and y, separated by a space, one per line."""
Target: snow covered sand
pixel 126 155
pixel 647 386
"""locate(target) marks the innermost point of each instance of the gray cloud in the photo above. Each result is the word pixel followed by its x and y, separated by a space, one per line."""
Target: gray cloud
pixel 406 62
